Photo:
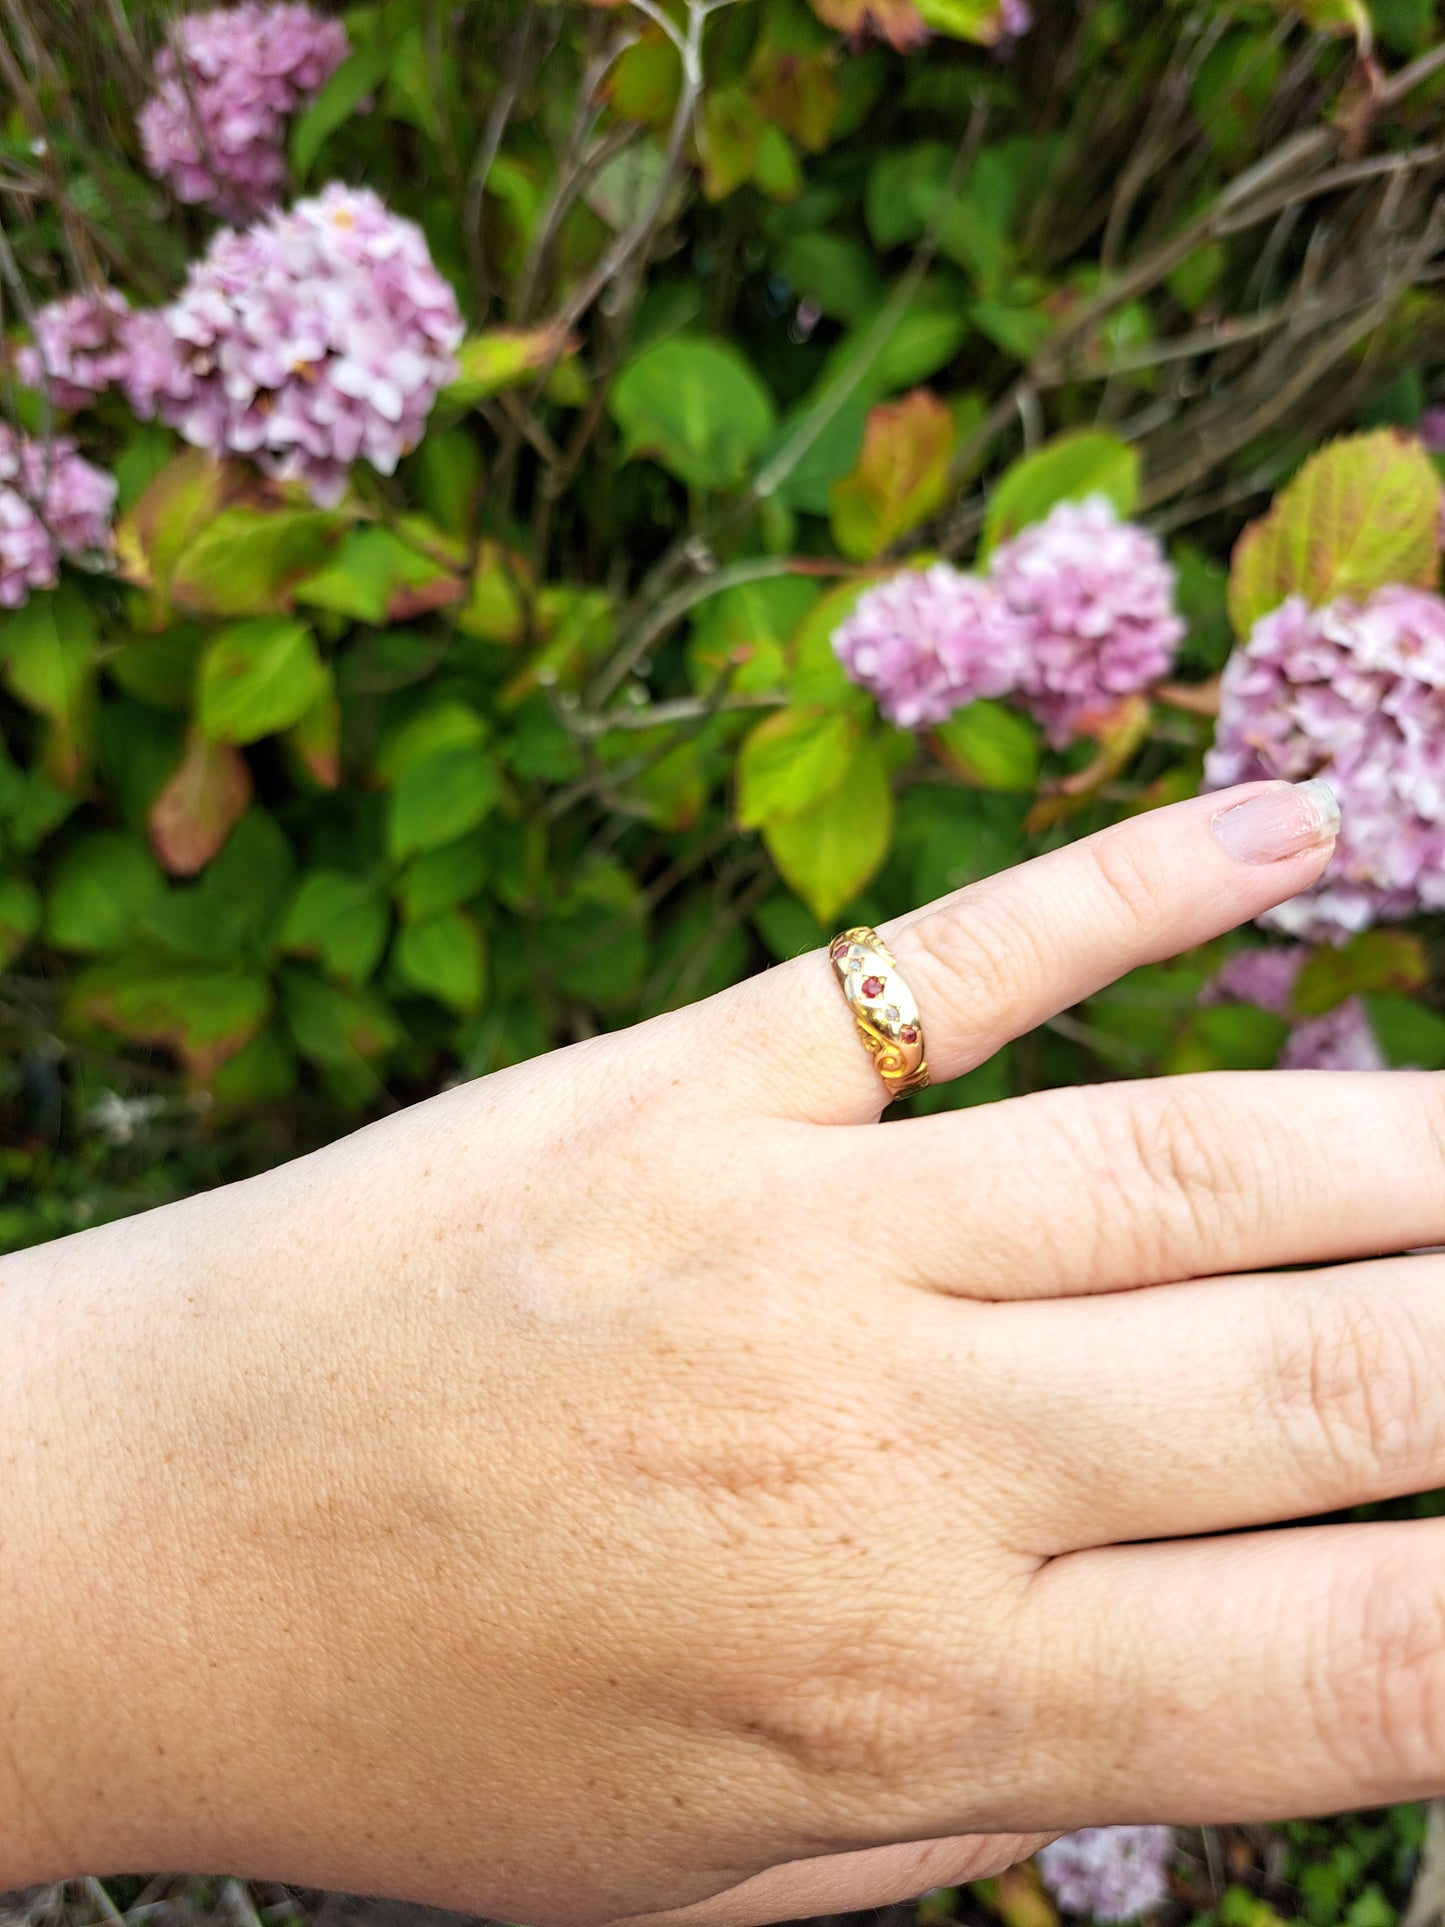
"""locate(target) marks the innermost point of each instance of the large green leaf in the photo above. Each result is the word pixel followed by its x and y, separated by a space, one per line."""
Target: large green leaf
pixel 440 797
pixel 981 21
pixel 444 957
pixel 1361 513
pixel 991 745
pixel 695 406
pixel 100 888
pixel 246 561
pixel 1067 469
pixel 790 761
pixel 827 854
pixel 339 920
pixel 742 634
pixel 258 677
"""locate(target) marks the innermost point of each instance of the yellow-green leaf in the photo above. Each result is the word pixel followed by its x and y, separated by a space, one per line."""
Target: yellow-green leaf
pixel 1363 512
pixel 257 678
pixel 1068 469
pixel 791 761
pixel 831 851
pixel 502 358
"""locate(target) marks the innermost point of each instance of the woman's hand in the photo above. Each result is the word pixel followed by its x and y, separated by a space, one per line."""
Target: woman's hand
pixel 635 1483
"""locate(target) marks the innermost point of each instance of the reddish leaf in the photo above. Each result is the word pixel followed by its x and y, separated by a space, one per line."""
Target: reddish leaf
pixel 200 805
pixel 896 21
pixel 901 477
pixel 797 92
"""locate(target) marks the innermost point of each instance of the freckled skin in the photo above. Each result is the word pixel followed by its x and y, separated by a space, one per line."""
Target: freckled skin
pixel 634 1486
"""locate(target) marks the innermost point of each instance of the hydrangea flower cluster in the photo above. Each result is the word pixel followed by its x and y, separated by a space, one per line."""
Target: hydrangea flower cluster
pixel 1076 613
pixel 215 128
pixel 929 641
pixel 316 338
pixel 51 501
pixel 1354 692
pixel 1340 1040
pixel 81 348
pixel 1111 1873
pixel 1097 595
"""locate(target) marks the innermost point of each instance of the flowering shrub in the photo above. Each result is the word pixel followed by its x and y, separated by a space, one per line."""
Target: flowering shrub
pixel 637 496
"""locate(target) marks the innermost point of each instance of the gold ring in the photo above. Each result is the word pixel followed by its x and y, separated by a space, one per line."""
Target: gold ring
pixel 883 1008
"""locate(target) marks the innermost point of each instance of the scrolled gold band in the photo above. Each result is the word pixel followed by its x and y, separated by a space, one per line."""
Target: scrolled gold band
pixel 884 1009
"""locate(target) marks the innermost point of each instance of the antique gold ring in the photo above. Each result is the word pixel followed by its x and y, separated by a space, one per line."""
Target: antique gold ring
pixel 883 1008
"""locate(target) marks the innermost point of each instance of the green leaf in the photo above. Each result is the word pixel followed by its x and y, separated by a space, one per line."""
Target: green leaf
pixel 502 358
pixel 48 653
pixel 446 724
pixel 439 880
pixel 377 577
pixel 258 677
pixel 1228 1037
pixel 99 890
pixel 992 746
pixel 1068 469
pixel 204 1016
pixel 830 852
pixel 1375 960
pixel 901 478
pixel 441 797
pixel 696 407
pixel 790 761
pixel 444 957
pixel 1363 512
pixel 337 1027
pixel 926 336
pixel 595 940
pixel 231 912
pixel 980 21
pixel 339 921
pixel 337 104
pixel 816 678
pixel 187 495
pixel 20 913
pixel 838 273
pixel 246 561
pixel 743 633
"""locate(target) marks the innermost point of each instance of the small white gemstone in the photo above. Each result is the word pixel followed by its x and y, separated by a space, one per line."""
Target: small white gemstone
pixel 891 1014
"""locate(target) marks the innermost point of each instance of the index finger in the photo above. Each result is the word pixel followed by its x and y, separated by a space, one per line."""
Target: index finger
pixel 997 959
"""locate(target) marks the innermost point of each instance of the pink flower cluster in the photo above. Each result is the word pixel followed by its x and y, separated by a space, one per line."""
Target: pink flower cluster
pixel 80 348
pixel 1075 613
pixel 1354 692
pixel 317 338
pixel 929 641
pixel 215 128
pixel 1109 1873
pixel 1340 1040
pixel 52 502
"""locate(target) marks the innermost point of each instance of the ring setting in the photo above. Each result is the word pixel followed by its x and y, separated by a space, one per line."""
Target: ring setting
pixel 884 1009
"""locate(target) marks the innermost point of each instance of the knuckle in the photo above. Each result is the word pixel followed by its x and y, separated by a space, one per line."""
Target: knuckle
pixel 1137 889
pixel 1380 1685
pixel 980 958
pixel 1352 1379
pixel 1168 1145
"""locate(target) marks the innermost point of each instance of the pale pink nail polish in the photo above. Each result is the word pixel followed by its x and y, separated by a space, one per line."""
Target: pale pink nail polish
pixel 1279 824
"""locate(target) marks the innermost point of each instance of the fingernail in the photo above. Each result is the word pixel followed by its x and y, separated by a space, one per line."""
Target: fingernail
pixel 1281 823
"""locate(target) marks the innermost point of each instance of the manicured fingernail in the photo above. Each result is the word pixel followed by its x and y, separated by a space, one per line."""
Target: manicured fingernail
pixel 1281 823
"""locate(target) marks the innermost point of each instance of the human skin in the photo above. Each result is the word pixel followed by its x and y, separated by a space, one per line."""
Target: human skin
pixel 635 1485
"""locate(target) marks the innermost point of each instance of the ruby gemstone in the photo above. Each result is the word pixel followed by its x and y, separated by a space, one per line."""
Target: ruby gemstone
pixel 840 949
pixel 908 1034
pixel 872 986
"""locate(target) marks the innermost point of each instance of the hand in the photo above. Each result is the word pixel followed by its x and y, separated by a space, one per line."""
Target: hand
pixel 636 1484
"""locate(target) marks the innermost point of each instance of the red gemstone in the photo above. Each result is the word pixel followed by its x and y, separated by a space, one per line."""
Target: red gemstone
pixel 872 986
pixel 908 1034
pixel 840 948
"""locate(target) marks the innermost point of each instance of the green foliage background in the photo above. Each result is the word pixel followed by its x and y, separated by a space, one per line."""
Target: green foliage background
pixel 305 812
